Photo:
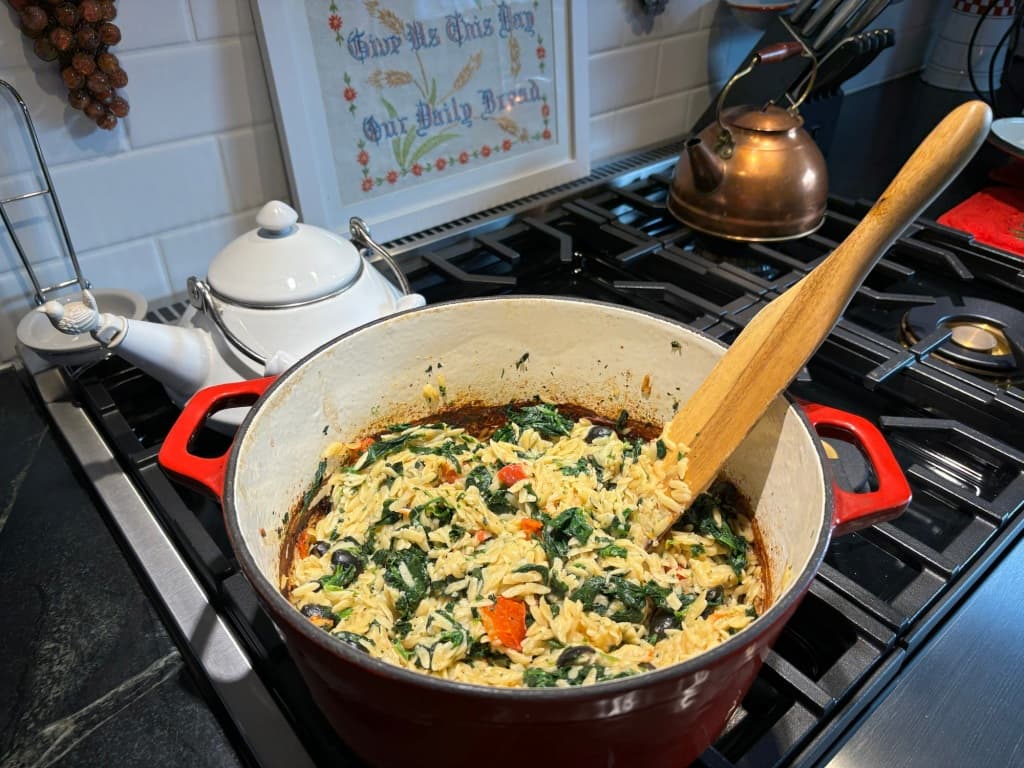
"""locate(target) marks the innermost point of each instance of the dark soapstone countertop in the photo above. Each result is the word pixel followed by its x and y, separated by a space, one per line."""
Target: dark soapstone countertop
pixel 88 674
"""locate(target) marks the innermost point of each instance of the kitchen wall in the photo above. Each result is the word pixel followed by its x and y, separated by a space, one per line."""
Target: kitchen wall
pixel 149 203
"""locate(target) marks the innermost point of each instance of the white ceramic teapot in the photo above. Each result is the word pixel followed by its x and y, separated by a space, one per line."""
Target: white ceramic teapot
pixel 271 296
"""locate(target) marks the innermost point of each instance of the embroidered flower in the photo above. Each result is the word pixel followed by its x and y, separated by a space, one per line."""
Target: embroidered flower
pixel 506 145
pixel 464 158
pixel 334 22
pixel 546 135
pixel 541 53
pixel 392 177
pixel 350 94
pixel 367 184
pixel 363 157
pixel 545 111
pixel 417 170
pixel 485 150
pixel 440 163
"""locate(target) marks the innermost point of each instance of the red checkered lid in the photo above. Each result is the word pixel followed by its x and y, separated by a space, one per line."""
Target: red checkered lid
pixel 977 7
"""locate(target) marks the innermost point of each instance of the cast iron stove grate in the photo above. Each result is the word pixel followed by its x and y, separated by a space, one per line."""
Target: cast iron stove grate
pixel 957 436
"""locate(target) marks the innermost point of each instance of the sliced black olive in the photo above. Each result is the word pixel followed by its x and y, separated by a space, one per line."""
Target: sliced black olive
pixel 661 622
pixel 714 597
pixel 572 654
pixel 597 431
pixel 320 548
pixel 345 558
pixel 319 611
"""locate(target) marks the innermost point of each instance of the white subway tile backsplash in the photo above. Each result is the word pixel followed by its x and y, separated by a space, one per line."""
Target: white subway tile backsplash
pixel 253 165
pixel 683 64
pixel 638 126
pixel 207 87
pixel 149 24
pixel 700 98
pixel 142 192
pixel 136 266
pixel 618 23
pixel 188 251
pixel 221 18
pixel 622 77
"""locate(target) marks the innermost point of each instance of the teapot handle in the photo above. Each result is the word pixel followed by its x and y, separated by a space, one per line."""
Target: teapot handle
pixel 361 237
pixel 769 55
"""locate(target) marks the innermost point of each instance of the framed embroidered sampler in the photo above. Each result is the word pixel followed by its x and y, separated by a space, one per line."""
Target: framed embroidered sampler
pixel 413 113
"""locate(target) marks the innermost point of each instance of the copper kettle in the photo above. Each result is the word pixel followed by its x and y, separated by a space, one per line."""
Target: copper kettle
pixel 755 173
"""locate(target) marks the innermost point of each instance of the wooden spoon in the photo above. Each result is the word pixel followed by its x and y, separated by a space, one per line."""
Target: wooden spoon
pixel 773 347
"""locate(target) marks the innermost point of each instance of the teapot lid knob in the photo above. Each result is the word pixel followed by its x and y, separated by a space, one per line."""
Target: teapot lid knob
pixel 276 219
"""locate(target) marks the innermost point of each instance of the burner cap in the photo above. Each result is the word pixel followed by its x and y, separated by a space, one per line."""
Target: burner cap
pixel 984 335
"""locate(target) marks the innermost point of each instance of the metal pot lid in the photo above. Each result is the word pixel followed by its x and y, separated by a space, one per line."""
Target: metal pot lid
pixel 282 262
pixel 771 119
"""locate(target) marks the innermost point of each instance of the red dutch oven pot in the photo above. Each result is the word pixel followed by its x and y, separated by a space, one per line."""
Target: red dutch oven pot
pixel 579 352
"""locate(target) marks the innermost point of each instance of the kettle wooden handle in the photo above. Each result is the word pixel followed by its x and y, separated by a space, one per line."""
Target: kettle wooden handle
pixel 770 351
pixel 779 52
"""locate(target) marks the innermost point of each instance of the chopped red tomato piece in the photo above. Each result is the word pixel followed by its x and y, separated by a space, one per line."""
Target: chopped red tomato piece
pixel 302 544
pixel 365 443
pixel 531 526
pixel 511 474
pixel 447 473
pixel 482 536
pixel 505 622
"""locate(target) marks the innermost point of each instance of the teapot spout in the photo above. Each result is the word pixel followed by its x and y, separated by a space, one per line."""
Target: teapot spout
pixel 179 358
pixel 705 166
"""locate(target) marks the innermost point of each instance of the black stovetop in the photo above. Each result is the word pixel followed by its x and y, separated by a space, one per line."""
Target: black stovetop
pixel 958 436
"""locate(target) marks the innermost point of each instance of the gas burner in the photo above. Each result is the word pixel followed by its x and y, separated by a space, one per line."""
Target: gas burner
pixel 985 338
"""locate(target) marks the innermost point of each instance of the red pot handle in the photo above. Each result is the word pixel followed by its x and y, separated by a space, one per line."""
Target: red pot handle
pixel 854 511
pixel 175 457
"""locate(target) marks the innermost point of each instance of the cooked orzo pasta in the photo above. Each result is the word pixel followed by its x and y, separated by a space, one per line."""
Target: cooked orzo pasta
pixel 517 560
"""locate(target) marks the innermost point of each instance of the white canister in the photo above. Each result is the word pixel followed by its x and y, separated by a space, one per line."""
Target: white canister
pixel 948 63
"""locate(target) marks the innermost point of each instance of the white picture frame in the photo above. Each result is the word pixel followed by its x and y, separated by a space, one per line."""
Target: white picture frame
pixel 302 117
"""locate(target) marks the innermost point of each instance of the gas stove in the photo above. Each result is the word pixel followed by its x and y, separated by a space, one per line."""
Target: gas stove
pixel 930 350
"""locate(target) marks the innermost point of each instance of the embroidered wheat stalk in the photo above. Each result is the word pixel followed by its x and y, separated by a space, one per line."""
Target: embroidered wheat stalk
pixel 390 20
pixel 513 51
pixel 507 124
pixel 391 78
pixel 467 72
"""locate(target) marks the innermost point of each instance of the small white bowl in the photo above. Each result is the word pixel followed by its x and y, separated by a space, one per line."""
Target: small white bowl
pixel 36 333
pixel 1008 134
pixel 758 15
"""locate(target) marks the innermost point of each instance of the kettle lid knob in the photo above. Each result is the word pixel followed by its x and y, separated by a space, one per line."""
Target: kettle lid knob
pixel 276 219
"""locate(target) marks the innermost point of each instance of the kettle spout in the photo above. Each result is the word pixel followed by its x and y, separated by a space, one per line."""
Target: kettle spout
pixel 705 166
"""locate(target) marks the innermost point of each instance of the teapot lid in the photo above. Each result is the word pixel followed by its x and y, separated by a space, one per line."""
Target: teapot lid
pixel 282 262
pixel 770 119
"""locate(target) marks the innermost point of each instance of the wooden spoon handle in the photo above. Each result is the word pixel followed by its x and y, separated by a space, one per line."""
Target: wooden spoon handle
pixel 770 351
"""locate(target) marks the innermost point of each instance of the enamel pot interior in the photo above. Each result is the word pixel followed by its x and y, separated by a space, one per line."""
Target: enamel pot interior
pixel 496 351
